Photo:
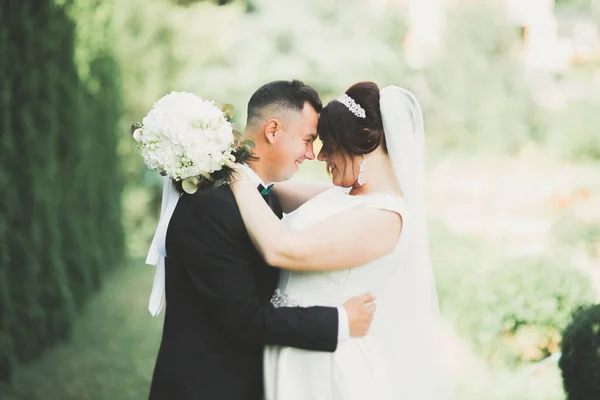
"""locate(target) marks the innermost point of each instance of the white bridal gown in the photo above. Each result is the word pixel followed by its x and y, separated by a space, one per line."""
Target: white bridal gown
pixel 358 369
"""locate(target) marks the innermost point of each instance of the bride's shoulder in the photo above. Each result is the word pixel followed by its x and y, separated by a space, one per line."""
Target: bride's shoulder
pixel 389 201
pixel 337 195
pixel 324 202
pixel 328 194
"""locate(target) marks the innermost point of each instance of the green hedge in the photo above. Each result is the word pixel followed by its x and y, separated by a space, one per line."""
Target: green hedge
pixel 580 361
pixel 60 211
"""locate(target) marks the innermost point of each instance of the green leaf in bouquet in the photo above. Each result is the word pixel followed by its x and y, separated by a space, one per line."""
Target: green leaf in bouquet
pixel 238 135
pixel 228 110
pixel 190 185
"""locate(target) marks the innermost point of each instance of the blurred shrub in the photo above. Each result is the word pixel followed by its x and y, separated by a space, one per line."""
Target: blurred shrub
pixel 459 262
pixel 572 231
pixel 574 132
pixel 511 311
pixel 60 213
pixel 149 69
pixel 574 5
pixel 514 313
pixel 479 97
pixel 329 45
pixel 580 360
pixel 476 97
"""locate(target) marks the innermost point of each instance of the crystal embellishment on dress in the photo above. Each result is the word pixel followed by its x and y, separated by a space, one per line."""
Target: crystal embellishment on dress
pixel 352 105
pixel 281 299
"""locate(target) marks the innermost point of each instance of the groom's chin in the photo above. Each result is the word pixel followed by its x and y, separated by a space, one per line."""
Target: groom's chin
pixel 287 176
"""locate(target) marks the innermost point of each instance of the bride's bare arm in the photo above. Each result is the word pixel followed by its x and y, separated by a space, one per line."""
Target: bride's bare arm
pixel 293 193
pixel 345 240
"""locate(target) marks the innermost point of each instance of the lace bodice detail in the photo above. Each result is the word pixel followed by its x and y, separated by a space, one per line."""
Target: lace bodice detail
pixel 280 299
pixel 333 288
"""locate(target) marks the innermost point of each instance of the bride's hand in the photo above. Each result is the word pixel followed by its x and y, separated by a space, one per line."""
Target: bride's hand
pixel 238 174
pixel 360 311
pixel 238 170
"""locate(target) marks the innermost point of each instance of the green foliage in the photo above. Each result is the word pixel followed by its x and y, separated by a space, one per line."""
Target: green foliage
pixel 574 132
pixel 573 231
pixel 6 340
pixel 580 361
pixel 326 44
pixel 514 313
pixel 149 68
pixel 579 5
pixel 477 99
pixel 189 2
pixel 511 311
pixel 60 213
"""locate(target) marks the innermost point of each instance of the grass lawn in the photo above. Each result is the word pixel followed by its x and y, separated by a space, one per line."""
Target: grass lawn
pixel 111 353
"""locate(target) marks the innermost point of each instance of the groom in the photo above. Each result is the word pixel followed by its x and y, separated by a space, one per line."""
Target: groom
pixel 218 311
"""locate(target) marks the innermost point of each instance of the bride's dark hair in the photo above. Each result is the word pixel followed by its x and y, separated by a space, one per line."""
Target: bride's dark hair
pixel 340 130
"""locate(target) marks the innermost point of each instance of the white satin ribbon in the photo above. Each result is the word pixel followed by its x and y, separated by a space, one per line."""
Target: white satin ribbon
pixel 158 252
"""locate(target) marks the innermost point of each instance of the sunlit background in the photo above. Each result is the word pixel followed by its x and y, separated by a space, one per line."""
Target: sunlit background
pixel 511 94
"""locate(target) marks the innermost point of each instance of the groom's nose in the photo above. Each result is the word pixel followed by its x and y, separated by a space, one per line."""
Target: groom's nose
pixel 310 153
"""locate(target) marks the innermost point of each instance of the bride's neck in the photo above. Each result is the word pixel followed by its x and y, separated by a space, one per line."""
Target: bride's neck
pixel 379 176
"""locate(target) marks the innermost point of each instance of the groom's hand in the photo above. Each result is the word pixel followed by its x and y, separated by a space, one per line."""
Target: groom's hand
pixel 360 310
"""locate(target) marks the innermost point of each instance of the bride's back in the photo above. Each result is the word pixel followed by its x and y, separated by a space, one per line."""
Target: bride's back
pixel 333 288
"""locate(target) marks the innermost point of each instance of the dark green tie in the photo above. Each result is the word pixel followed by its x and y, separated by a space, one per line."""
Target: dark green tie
pixel 265 190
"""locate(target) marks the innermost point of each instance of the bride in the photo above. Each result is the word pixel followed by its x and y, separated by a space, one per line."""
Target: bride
pixel 366 234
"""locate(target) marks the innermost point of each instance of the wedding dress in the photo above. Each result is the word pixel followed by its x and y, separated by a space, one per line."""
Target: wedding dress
pixel 357 370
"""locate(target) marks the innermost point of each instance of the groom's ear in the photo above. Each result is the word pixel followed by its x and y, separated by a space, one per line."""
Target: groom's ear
pixel 271 128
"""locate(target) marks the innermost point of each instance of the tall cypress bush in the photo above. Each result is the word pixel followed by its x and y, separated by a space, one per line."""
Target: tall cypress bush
pixel 60 209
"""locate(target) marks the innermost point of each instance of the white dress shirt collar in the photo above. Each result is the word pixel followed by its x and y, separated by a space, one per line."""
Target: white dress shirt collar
pixel 253 176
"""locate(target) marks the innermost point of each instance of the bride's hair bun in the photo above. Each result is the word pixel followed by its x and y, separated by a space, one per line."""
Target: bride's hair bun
pixel 340 129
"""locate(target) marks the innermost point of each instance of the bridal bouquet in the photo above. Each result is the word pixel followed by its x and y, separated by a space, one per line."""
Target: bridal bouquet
pixel 190 140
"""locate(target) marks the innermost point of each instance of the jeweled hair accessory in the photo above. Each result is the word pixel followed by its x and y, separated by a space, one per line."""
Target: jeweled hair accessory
pixel 352 105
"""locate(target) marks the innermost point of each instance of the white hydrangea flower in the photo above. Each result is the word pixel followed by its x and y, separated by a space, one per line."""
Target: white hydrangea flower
pixel 184 136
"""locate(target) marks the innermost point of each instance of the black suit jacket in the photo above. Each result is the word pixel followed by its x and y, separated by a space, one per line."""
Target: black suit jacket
pixel 218 313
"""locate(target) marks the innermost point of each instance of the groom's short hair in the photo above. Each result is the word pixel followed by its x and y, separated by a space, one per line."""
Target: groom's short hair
pixel 283 95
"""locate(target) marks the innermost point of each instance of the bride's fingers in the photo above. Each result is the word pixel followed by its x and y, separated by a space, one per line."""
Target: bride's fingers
pixel 360 311
pixel 371 308
pixel 367 298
